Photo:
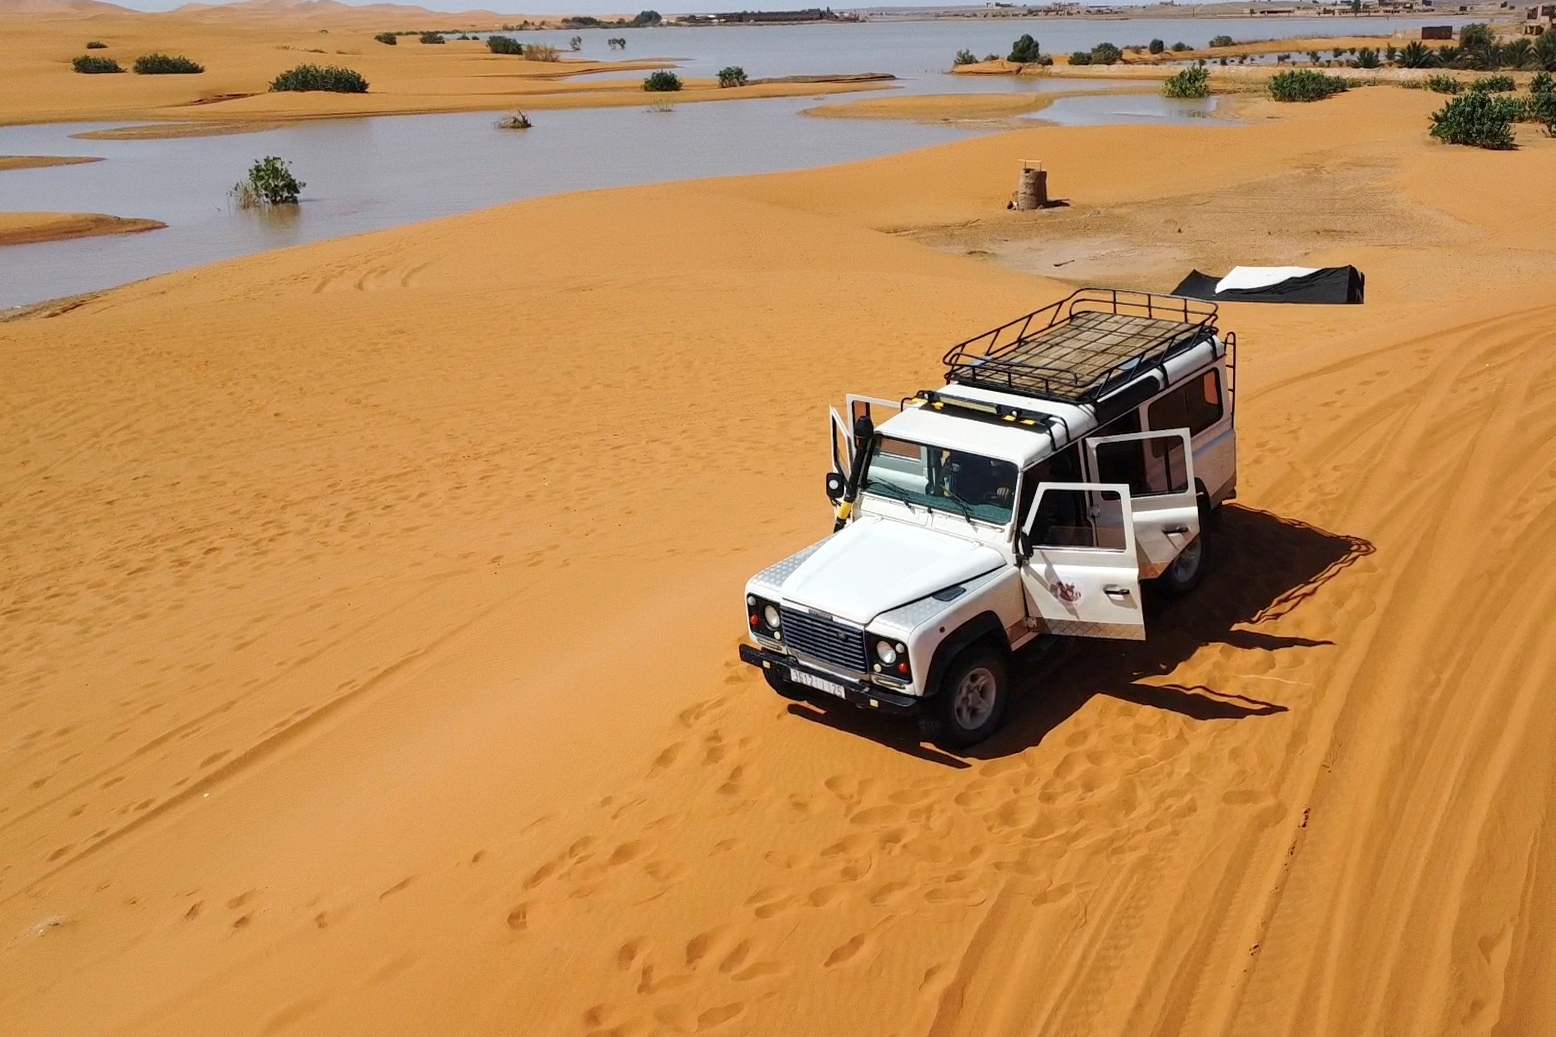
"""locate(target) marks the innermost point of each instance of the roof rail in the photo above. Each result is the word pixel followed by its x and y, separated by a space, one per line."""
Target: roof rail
pixel 1082 347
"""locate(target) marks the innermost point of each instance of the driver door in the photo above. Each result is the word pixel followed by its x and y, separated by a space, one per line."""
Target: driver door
pixel 1080 574
pixel 868 406
pixel 1158 467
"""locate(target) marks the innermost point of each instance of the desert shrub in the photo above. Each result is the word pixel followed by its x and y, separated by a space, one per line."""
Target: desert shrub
pixel 964 57
pixel 734 75
pixel 388 38
pixel 616 43
pixel 96 45
pixel 332 78
pixel 1367 58
pixel 1541 108
pixel 1314 56
pixel 1191 82
pixel 1106 54
pixel 1222 41
pixel 515 121
pixel 1477 35
pixel 1443 84
pixel 269 182
pixel 1180 47
pixel 541 52
pixel 646 18
pixel 662 81
pixel 1476 119
pixel 90 66
pixel 1081 57
pixel 1305 84
pixel 1391 54
pixel 1495 84
pixel 504 45
pixel 576 43
pixel 1541 83
pixel 1156 47
pixel 991 57
pixel 431 37
pixel 166 65
pixel 1417 55
pixel 1025 50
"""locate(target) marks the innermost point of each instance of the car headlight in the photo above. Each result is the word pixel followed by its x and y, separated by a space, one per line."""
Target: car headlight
pixel 770 614
pixel 886 652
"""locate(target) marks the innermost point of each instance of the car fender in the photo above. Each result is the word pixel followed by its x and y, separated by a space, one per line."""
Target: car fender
pixel 985 625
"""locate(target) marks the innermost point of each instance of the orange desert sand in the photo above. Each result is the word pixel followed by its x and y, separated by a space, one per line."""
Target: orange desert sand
pixel 25 228
pixel 370 613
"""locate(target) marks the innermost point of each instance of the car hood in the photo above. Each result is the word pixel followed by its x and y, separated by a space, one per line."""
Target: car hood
pixel 873 566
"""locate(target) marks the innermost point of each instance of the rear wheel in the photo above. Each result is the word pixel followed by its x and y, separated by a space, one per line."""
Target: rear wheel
pixel 971 702
pixel 1188 569
pixel 782 685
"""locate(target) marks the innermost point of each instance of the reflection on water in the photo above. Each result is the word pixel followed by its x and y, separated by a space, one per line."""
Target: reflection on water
pixel 1126 108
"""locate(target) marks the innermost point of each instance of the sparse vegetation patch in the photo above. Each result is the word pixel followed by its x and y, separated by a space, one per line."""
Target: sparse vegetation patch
pixel 1190 83
pixel 332 78
pixel 88 65
pixel 1477 119
pixel 662 81
pixel 733 75
pixel 269 182
pixel 504 45
pixel 1305 84
pixel 166 65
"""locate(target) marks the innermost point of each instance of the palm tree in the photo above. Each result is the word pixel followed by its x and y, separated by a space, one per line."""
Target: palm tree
pixel 1545 51
pixel 1416 54
pixel 1518 54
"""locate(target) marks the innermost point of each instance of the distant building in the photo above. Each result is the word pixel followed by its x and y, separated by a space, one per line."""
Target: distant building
pixel 1437 32
pixel 1540 20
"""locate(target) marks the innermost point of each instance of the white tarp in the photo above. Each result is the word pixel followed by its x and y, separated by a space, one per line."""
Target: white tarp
pixel 1243 278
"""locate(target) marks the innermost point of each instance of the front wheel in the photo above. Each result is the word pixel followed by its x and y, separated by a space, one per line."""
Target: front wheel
pixel 971 703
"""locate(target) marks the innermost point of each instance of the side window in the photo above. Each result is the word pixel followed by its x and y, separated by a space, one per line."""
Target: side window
pixel 1195 406
pixel 1079 518
pixel 1151 467
pixel 1065 466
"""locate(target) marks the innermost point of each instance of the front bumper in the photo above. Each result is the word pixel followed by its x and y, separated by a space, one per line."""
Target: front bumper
pixel 855 693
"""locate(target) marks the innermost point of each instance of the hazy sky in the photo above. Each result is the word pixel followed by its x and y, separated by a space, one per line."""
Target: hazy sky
pixel 595 7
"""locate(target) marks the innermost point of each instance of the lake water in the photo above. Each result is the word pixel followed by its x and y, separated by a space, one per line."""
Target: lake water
pixel 374 173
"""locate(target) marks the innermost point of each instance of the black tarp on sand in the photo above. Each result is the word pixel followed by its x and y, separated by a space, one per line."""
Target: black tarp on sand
pixel 1333 285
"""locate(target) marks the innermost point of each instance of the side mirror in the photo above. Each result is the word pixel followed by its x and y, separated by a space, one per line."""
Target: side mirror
pixel 835 487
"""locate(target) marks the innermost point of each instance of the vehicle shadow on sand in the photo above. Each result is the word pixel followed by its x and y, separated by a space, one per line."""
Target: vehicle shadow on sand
pixel 1262 567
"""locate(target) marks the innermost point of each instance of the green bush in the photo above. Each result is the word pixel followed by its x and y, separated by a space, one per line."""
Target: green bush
pixel 1106 54
pixel 1476 35
pixel 1545 51
pixel 431 37
pixel 734 75
pixel 662 82
pixel 332 78
pixel 1180 47
pixel 90 66
pixel 388 37
pixel 269 182
pixel 1541 83
pixel 1495 84
pixel 166 65
pixel 646 18
pixel 964 57
pixel 1025 50
pixel 1081 57
pixel 1416 55
pixel 96 45
pixel 1367 58
pixel 1541 108
pixel 1191 82
pixel 1156 47
pixel 1222 41
pixel 541 52
pixel 1476 119
pixel 1443 84
pixel 1305 84
pixel 504 45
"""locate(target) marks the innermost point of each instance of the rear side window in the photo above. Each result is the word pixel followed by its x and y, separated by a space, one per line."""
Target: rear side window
pixel 1195 405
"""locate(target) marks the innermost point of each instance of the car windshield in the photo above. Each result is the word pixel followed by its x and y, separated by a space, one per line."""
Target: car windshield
pixel 961 483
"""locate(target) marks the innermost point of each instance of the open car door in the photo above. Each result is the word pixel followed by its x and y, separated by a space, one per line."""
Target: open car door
pixel 868 406
pixel 1158 468
pixel 1080 575
pixel 842 444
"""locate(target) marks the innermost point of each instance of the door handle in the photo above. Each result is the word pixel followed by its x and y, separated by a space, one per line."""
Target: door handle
pixel 1113 590
pixel 1176 529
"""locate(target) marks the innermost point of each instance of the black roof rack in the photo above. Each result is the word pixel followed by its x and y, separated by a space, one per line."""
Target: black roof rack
pixel 1081 348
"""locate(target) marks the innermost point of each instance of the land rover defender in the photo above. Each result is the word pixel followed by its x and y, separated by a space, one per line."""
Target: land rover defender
pixel 1072 453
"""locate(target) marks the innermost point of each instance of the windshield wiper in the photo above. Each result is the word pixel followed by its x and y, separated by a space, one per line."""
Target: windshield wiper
pixel 880 488
pixel 966 506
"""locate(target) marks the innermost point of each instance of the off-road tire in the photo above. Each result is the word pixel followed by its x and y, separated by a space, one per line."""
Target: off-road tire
pixel 1188 569
pixel 782 685
pixel 970 705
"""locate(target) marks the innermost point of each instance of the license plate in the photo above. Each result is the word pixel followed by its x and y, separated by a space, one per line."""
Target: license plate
pixel 810 680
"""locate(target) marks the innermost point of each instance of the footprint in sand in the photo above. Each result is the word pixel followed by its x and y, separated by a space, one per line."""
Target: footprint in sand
pixel 767 902
pixel 847 952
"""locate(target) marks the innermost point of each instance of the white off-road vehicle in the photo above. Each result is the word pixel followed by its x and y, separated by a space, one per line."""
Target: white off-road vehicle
pixel 1072 453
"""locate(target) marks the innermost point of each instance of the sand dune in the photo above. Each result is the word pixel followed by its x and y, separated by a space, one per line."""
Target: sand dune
pixel 26 228
pixel 42 161
pixel 368 655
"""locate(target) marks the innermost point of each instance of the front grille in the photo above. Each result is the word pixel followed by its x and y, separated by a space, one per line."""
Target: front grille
pixel 824 639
